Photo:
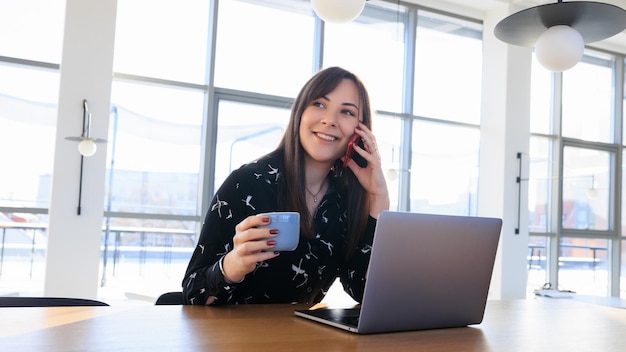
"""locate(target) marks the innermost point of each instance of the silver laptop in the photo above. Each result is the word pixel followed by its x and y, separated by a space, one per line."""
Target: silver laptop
pixel 426 272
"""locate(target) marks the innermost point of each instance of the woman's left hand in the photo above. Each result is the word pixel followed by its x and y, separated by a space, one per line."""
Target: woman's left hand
pixel 371 177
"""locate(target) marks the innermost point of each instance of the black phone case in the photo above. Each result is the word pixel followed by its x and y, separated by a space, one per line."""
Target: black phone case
pixel 357 157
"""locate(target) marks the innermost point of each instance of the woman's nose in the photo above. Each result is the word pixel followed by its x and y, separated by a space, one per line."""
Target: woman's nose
pixel 329 118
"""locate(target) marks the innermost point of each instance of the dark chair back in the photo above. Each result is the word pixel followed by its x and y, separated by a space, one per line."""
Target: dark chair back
pixel 47 302
pixel 170 298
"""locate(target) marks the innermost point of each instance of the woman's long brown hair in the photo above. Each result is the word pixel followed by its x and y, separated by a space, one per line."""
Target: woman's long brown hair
pixel 292 196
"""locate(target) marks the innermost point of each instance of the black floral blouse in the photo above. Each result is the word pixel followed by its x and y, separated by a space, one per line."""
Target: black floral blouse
pixel 303 275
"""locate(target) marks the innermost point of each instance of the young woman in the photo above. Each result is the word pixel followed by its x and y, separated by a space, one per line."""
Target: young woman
pixel 234 263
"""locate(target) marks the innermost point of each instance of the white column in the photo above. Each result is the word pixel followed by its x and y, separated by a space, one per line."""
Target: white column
pixel 505 132
pixel 73 253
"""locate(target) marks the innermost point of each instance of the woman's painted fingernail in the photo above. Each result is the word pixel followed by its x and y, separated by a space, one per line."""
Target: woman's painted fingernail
pixel 271 243
pixel 274 231
pixel 266 219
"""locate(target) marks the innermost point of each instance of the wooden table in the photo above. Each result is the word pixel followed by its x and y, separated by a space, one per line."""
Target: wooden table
pixel 524 325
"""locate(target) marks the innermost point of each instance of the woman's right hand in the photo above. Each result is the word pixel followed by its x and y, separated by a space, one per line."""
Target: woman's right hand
pixel 251 246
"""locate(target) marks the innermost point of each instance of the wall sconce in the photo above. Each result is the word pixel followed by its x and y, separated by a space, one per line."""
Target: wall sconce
pixel 338 11
pixel 87 145
pixel 592 192
pixel 559 32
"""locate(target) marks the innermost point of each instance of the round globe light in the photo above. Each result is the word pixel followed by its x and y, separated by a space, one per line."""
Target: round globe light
pixel 338 11
pixel 87 147
pixel 559 48
pixel 592 193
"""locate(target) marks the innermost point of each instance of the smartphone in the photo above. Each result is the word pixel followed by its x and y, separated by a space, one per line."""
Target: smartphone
pixel 356 139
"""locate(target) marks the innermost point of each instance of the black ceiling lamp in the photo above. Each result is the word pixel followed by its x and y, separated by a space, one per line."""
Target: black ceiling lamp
pixel 559 31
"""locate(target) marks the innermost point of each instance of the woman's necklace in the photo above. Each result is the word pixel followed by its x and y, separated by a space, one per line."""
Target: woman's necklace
pixel 318 191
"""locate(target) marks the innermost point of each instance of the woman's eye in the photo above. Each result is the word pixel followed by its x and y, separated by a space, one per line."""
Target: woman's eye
pixel 349 113
pixel 319 104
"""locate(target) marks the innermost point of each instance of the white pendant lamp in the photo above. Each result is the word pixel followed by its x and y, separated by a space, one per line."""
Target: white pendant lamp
pixel 338 11
pixel 559 48
pixel 559 31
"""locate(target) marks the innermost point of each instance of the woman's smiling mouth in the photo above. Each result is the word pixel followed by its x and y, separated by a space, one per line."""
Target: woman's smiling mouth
pixel 325 136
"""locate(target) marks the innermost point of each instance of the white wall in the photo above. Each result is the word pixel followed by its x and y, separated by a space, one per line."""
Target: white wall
pixel 505 131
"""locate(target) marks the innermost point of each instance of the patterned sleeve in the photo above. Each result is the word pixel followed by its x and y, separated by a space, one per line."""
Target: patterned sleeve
pixel 353 274
pixel 204 278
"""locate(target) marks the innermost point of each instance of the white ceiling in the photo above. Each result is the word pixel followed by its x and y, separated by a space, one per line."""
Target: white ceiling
pixel 474 8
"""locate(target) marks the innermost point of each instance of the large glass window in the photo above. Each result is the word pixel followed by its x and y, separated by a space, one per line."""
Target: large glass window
pixel 573 175
pixel 264 46
pixel 622 279
pixel 381 69
pixel 622 231
pixel 448 68
pixel 150 257
pixel 588 100
pixel 32 30
pixel 586 179
pixel 387 129
pixel 541 93
pixel 538 249
pixel 31 33
pixel 155 149
pixel 444 169
pixel 540 186
pixel 28 119
pixel 245 133
pixel 162 39
pixel 583 265
pixel 152 185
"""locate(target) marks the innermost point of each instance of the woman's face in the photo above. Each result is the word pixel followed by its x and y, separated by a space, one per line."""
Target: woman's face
pixel 328 123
